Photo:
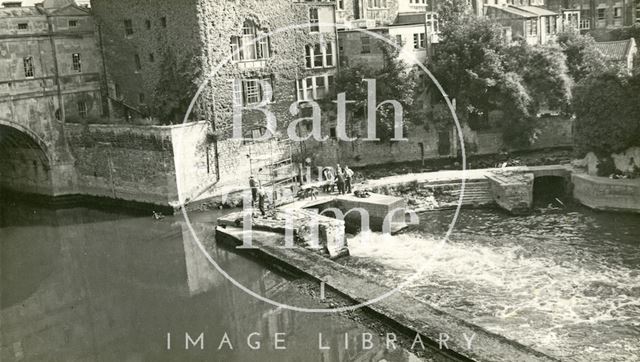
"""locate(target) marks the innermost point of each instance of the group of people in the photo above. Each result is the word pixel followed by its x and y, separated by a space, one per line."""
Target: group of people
pixel 342 179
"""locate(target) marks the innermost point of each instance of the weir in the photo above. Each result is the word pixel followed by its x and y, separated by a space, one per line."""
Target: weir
pixel 416 317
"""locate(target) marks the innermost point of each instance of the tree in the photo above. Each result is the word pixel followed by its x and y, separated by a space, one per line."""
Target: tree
pixel 454 11
pixel 583 58
pixel 468 64
pixel 545 74
pixel 607 113
pixel 178 84
pixel 484 73
pixel 394 81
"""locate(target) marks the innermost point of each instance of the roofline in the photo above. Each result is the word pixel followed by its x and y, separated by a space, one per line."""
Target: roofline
pixel 56 10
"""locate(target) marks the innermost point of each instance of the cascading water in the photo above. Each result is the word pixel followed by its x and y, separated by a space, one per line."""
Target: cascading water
pixel 564 282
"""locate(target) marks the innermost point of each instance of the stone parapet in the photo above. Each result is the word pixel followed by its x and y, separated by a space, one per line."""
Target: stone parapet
pixel 602 193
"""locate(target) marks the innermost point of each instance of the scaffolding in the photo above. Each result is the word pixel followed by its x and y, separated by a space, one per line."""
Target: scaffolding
pixel 271 163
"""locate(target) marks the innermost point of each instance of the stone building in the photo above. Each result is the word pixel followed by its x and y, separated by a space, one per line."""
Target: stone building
pixel 51 62
pixel 242 48
pixel 411 24
pixel 597 15
pixel 51 72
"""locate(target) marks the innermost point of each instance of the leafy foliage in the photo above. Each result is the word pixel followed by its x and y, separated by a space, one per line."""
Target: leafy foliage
pixel 607 108
pixel 179 81
pixel 583 58
pixel 454 11
pixel 484 73
pixel 393 82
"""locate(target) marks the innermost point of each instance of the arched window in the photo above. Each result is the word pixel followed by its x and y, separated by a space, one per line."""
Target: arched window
pixel 252 45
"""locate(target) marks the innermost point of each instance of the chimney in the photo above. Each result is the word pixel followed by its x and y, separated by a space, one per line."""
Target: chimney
pixel 12 4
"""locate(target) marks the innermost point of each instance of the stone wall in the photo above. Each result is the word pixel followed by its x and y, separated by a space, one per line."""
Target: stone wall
pixel 423 142
pixel 602 193
pixel 151 38
pixel 206 169
pixel 351 49
pixel 202 30
pixel 124 162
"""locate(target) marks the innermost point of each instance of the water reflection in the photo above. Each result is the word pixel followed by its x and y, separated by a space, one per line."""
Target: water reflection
pixel 88 285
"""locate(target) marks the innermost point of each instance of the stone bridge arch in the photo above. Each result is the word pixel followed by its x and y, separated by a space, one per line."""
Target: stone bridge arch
pixel 34 137
pixel 29 164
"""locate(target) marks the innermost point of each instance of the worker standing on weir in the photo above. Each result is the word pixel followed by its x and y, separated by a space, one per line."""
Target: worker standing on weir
pixel 261 198
pixel 254 190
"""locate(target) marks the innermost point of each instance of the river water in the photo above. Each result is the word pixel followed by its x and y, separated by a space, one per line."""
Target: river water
pixel 563 281
pixel 90 285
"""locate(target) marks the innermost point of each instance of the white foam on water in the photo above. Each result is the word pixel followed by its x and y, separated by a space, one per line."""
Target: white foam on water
pixel 541 295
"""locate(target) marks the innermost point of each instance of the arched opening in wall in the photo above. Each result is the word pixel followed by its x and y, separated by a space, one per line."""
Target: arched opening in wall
pixel 548 190
pixel 24 164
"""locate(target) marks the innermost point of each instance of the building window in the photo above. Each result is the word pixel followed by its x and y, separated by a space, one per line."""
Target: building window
pixel 332 132
pixel 572 18
pixel 328 54
pixel 399 40
pixel 251 45
pixel 601 14
pixel 163 21
pixel 23 26
pixel 249 91
pixel 147 24
pixel 152 58
pixel 318 57
pixel 314 20
pixel 73 23
pixel 136 59
pixel 128 27
pixel 617 12
pixel 433 25
pixel 418 2
pixel 340 5
pixel 316 87
pixel 28 67
pixel 366 44
pixel 552 24
pixel 533 27
pixel 77 64
pixel 377 4
pixel 418 41
pixel 82 109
